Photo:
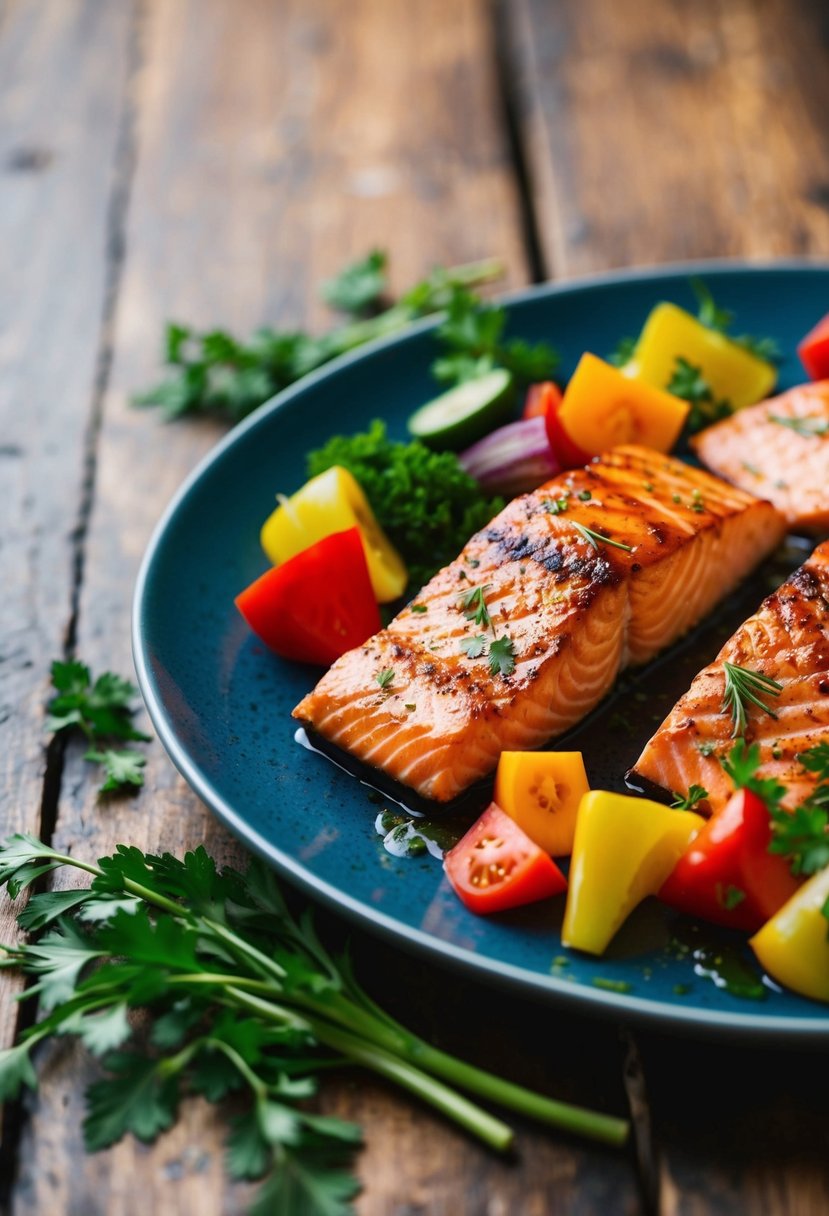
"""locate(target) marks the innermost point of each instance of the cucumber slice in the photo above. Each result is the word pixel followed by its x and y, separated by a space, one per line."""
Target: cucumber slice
pixel 466 413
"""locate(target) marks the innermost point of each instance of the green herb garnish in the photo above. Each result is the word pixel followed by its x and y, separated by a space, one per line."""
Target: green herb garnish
pixel 689 383
pixel 359 287
pixel 420 608
pixel 809 426
pixel 721 320
pixel 474 607
pixel 816 760
pixel 556 506
pixel 743 687
pixel 473 648
pixel 427 504
pixel 385 678
pixel 623 352
pixel 802 835
pixel 473 332
pixel 598 538
pixel 729 897
pixel 237 1001
pixel 501 657
pixel 695 795
pixel 102 711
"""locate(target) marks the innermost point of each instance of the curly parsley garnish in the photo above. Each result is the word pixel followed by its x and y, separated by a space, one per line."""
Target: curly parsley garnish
pixel 743 687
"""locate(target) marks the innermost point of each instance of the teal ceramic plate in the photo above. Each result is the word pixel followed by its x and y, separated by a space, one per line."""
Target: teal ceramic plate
pixel 221 704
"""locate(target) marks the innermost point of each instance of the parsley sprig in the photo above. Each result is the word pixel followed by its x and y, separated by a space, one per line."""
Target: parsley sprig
pixel 473 333
pixel 689 383
pixel 722 319
pixel 102 711
pixel 695 795
pixel 500 652
pixel 215 373
pixel 239 999
pixel 743 687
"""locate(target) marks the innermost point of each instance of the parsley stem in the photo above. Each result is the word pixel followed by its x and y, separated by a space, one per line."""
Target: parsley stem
pixel 242 949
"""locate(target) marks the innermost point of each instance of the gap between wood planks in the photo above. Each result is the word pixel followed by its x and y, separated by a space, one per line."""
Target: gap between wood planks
pixel 115 254
pixel 118 207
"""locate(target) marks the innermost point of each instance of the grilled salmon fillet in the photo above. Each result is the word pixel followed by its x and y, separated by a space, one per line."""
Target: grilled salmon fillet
pixel 669 542
pixel 785 461
pixel 786 639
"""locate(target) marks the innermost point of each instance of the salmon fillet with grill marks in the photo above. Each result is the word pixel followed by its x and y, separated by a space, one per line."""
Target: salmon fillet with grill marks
pixel 774 459
pixel 576 612
pixel 788 640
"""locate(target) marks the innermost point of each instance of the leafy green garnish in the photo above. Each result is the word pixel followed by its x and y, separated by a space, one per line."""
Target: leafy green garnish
pixel 360 286
pixel 816 760
pixel 721 320
pixel 695 795
pixel 501 657
pixel 474 606
pixel 802 835
pixel 427 504
pixel 473 333
pixel 238 1001
pixel 729 897
pixel 101 711
pixel 385 678
pixel 623 352
pixel 689 383
pixel 215 373
pixel 473 648
pixel 741 766
pixel 594 539
pixel 808 426
pixel 743 687
pixel 556 506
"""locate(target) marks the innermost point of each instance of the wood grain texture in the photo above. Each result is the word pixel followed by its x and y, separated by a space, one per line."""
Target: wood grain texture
pixel 62 81
pixel 664 131
pixel 251 184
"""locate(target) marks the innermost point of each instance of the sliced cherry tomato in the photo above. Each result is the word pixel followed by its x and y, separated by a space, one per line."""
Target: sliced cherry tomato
pixel 567 453
pixel 814 351
pixel 317 605
pixel 728 875
pixel 496 866
pixel 540 398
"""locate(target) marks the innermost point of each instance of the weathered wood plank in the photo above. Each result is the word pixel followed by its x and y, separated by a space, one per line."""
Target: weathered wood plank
pixel 657 132
pixel 273 143
pixel 62 84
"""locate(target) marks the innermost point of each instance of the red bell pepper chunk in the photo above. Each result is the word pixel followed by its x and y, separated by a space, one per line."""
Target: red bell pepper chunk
pixel 814 351
pixel 568 454
pixel 540 398
pixel 728 875
pixel 317 605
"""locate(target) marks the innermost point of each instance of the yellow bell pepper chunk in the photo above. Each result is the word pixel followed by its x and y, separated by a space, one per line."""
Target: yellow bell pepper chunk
pixel 333 502
pixel 624 850
pixel 793 947
pixel 733 373
pixel 602 406
pixel 541 791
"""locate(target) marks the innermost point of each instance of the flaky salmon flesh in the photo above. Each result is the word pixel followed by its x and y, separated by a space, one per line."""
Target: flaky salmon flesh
pixel 787 639
pixel 665 543
pixel 778 450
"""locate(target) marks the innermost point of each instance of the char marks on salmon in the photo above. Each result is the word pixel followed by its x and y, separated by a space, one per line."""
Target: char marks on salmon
pixel 778 450
pixel 787 640
pixel 662 543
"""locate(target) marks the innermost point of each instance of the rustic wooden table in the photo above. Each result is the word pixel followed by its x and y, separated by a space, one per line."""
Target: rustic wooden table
pixel 212 161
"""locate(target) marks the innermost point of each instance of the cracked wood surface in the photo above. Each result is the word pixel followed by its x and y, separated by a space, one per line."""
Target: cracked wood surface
pixel 212 163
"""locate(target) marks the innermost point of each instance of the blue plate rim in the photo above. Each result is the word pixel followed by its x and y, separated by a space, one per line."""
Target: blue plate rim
pixel 758 1027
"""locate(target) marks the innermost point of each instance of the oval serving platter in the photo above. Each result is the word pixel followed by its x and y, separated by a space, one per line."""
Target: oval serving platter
pixel 222 704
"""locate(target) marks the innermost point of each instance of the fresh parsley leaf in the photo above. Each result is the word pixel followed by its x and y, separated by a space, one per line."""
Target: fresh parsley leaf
pixel 729 897
pixel 48 906
pixel 385 678
pixel 721 320
pixel 689 383
pixel 623 352
pixel 358 287
pixel 16 1070
pixel 473 648
pixel 140 1096
pixel 741 765
pixel 474 606
pixel 120 768
pixel 762 348
pixel 706 747
pixel 744 687
pixel 808 425
pixel 473 332
pixel 802 835
pixel 501 657
pixel 816 760
pixel 695 795
pixel 427 504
